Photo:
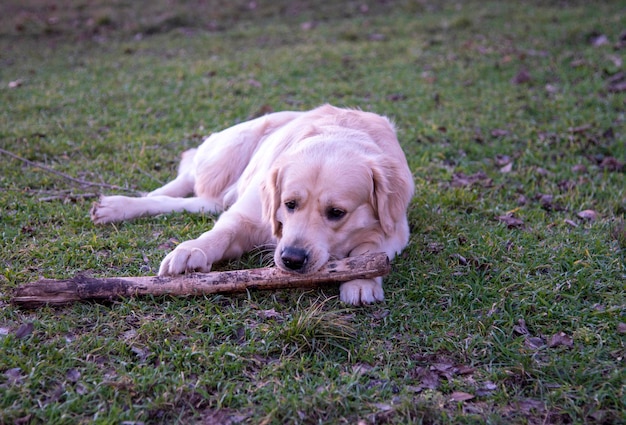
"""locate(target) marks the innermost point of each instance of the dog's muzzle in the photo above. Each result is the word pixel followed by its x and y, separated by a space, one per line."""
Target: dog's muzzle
pixel 294 258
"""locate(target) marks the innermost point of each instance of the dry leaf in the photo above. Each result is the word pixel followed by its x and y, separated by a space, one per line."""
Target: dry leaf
pixel 617 87
pixel 551 88
pixel 617 61
pixel 510 221
pixel 600 40
pixel 528 405
pixel 521 328
pixel 534 342
pixel 24 330
pixel 72 375
pixel 611 164
pixel 270 314
pixel 14 375
pixel 501 160
pixel 522 77
pixel 461 396
pixel 579 129
pixel 507 168
pixel 561 339
pixel 498 132
pixel 621 328
pixel 15 84
pixel 361 368
pixel 589 215
pixel 463 180
pixel 426 377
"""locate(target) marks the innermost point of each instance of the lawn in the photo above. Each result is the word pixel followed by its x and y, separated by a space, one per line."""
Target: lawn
pixel 507 307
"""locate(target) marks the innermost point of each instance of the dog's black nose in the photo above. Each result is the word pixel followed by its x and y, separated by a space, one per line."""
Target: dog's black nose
pixel 294 258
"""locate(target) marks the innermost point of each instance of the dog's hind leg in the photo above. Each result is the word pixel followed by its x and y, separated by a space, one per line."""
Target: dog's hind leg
pixel 111 209
pixel 184 182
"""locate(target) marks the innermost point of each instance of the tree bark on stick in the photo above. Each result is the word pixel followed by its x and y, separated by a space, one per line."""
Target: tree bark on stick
pixel 79 288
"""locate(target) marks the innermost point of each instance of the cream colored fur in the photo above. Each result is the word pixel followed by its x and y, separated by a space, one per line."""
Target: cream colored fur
pixel 318 185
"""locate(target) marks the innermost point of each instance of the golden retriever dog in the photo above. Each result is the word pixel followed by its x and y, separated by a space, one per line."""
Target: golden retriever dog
pixel 318 185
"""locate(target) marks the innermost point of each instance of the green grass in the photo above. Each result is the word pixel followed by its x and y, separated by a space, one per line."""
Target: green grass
pixel 110 92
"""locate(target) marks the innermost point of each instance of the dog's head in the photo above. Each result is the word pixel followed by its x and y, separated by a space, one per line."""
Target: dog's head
pixel 330 199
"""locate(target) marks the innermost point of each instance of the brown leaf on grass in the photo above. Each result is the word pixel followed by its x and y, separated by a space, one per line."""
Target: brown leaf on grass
pixel 521 328
pixel 522 77
pixel 362 368
pixel 24 330
pixel 598 40
pixel 16 84
pixel 14 376
pixel 396 97
pixel 621 328
pixel 552 88
pixel 435 247
pixel 502 160
pixel 507 168
pixel 308 25
pixel 427 378
pixel 580 129
pixel 589 215
pixel 263 110
pixel 617 87
pixel 616 60
pixel 461 396
pixel 534 342
pixel 567 185
pixel 559 339
pixel 72 375
pixel 611 164
pixel 547 202
pixel 487 388
pixel 222 417
pixel 462 260
pixel 510 221
pixel 462 180
pixel 270 314
pixel 168 245
pixel 616 83
pixel 528 405
pixel 24 420
pixel 498 132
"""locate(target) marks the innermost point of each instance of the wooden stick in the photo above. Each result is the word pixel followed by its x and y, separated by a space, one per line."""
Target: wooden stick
pixel 59 292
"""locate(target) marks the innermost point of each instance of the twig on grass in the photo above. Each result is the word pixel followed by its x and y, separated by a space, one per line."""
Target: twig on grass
pixel 68 196
pixel 64 175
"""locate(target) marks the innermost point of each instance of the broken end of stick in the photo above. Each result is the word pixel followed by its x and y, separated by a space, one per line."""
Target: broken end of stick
pixel 46 292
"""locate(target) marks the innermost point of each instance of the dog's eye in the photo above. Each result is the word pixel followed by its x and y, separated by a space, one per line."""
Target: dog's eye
pixel 290 205
pixel 334 213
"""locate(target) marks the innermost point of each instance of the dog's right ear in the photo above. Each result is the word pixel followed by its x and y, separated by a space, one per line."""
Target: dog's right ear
pixel 270 199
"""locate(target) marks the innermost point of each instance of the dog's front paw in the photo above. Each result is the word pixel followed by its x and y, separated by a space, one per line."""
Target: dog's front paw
pixel 187 257
pixel 108 209
pixel 361 291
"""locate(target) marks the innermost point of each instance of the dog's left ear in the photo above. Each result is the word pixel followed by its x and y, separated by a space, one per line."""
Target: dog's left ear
pixel 270 199
pixel 393 189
